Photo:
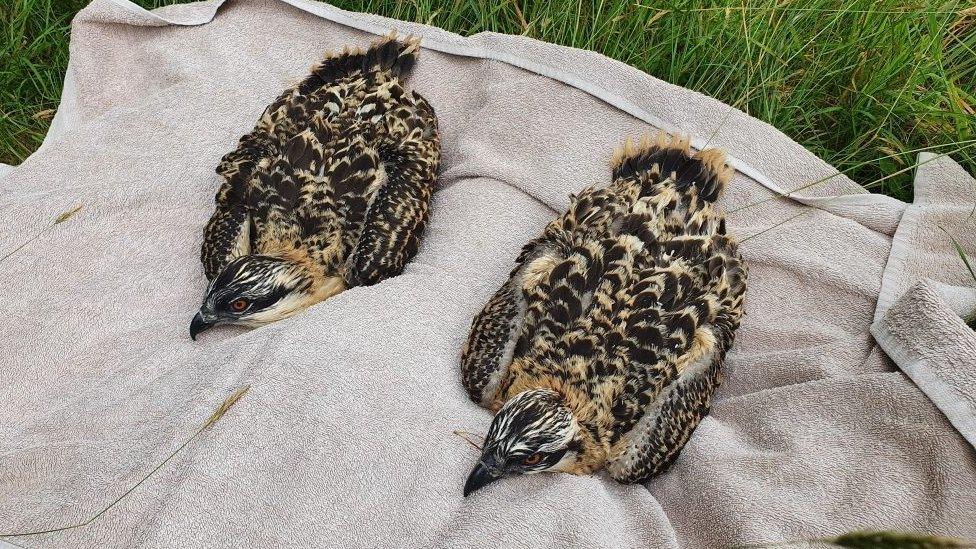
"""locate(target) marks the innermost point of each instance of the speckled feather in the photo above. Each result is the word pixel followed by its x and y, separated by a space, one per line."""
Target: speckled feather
pixel 625 306
pixel 337 174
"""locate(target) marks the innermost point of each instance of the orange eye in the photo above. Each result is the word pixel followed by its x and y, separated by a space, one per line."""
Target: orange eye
pixel 239 305
pixel 533 459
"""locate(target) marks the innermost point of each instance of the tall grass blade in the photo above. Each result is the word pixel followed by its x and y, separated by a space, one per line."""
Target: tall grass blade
pixel 961 252
pixel 874 540
pixel 896 540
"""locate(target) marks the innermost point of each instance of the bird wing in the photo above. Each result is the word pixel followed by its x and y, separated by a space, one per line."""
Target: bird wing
pixel 551 285
pixel 330 85
pixel 527 314
pixel 679 316
pixel 276 192
pixel 409 156
pixel 491 342
pixel 680 321
pixel 228 233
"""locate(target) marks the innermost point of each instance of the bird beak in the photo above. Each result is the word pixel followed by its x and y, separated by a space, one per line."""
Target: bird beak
pixel 482 475
pixel 199 324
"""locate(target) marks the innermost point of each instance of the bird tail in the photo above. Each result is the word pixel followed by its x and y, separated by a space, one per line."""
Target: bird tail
pixel 668 162
pixel 388 54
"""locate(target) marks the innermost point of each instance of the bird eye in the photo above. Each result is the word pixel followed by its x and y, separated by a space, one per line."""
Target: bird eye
pixel 239 304
pixel 533 459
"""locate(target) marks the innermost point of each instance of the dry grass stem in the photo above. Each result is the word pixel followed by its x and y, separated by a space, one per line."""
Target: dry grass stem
pixel 45 114
pixel 221 410
pixel 58 220
pixel 781 223
pixel 466 434
pixel 965 144
pixel 67 215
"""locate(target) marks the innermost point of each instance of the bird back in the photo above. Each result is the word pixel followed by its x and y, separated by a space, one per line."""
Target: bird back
pixel 305 175
pixel 632 284
pixel 624 306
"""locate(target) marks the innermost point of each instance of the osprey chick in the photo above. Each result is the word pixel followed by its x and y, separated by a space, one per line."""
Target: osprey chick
pixel 330 190
pixel 603 348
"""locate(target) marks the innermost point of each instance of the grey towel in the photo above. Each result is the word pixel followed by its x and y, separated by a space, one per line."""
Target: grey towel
pixel 918 321
pixel 345 438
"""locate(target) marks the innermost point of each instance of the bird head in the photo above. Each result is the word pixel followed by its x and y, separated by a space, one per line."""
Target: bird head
pixel 254 290
pixel 533 432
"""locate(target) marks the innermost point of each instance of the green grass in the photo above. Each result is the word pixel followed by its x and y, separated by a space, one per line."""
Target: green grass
pixel 969 264
pixel 861 83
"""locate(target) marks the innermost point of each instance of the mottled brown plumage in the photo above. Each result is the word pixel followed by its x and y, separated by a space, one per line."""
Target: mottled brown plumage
pixel 330 190
pixel 603 348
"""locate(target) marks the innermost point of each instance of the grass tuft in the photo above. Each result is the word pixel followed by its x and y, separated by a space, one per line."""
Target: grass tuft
pixel 961 252
pixel 861 83
pixel 896 540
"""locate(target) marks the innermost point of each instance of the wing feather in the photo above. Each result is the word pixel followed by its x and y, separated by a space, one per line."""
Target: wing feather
pixel 681 329
pixel 325 92
pixel 409 153
pixel 552 284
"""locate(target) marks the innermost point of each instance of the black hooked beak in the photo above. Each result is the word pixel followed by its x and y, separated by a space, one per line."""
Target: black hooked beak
pixel 197 325
pixel 484 473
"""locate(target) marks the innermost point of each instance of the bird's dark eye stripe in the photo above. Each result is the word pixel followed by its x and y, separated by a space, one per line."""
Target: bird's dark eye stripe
pixel 266 300
pixel 257 302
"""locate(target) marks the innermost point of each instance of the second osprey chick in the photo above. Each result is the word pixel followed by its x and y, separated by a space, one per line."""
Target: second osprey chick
pixel 330 190
pixel 603 348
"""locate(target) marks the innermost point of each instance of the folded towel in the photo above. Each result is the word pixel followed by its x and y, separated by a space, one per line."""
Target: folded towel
pixel 931 343
pixel 918 321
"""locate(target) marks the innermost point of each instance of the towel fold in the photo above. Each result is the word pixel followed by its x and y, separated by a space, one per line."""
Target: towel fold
pixel 923 334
